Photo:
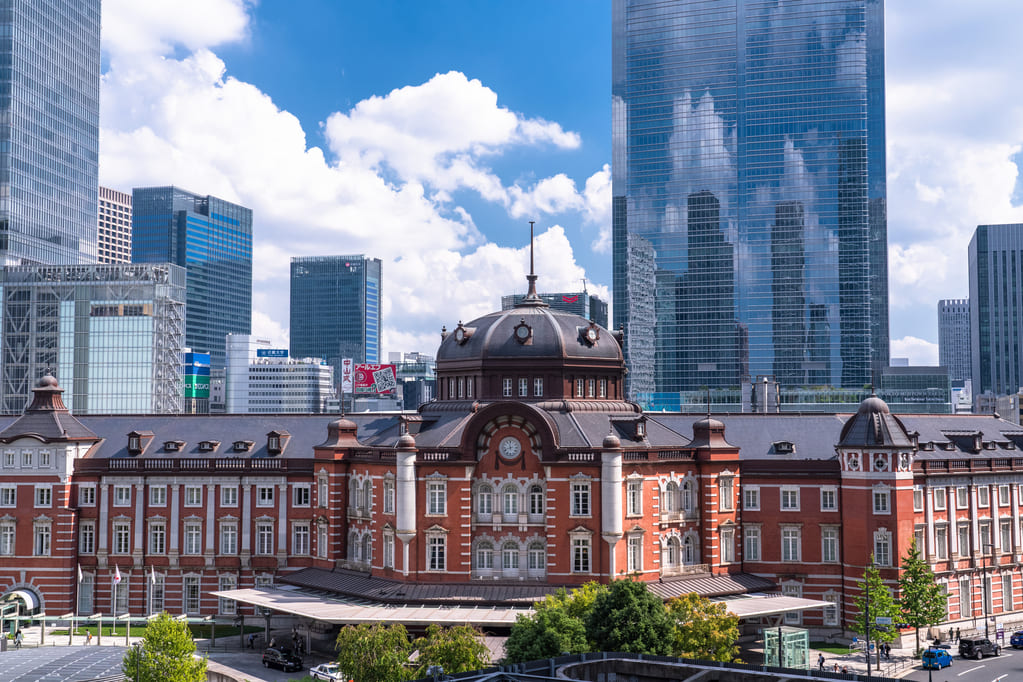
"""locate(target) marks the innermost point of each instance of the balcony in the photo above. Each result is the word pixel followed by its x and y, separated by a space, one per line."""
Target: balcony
pixel 193 465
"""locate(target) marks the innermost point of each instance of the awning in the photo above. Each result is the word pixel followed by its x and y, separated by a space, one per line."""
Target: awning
pixel 31 601
pixel 339 611
pixel 757 605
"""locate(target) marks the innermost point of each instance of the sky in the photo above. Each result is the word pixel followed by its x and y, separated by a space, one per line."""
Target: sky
pixel 429 134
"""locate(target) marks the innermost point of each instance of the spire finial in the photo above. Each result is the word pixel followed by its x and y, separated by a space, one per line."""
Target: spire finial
pixel 531 277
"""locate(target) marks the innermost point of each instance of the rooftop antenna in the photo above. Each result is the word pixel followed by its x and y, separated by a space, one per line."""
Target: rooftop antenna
pixel 532 299
pixel 584 285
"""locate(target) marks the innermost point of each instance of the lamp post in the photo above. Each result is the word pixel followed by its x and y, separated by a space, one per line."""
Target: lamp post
pixel 137 646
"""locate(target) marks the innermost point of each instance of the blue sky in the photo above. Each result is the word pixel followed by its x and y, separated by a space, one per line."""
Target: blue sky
pixel 428 134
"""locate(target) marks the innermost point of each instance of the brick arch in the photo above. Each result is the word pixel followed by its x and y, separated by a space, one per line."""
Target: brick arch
pixel 538 427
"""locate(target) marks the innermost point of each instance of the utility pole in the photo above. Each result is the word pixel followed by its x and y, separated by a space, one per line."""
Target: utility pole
pixel 866 620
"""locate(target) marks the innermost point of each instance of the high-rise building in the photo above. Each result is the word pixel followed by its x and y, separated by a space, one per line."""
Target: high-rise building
pixel 212 239
pixel 748 156
pixel 114 334
pixel 114 228
pixel 580 303
pixel 335 308
pixel 954 338
pixel 261 379
pixel 996 309
pixel 49 93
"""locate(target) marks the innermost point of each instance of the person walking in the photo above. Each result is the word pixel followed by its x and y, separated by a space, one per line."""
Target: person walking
pixel 18 639
pixel 88 637
pixel 820 661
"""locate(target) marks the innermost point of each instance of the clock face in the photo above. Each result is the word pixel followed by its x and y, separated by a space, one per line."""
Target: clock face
pixel 522 331
pixel 591 334
pixel 510 447
pixel 459 335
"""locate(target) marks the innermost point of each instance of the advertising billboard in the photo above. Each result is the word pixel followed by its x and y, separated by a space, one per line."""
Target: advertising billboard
pixel 347 375
pixel 196 386
pixel 375 378
pixel 271 352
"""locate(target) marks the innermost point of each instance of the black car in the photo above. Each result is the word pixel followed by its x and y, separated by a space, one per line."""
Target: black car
pixel 977 647
pixel 281 658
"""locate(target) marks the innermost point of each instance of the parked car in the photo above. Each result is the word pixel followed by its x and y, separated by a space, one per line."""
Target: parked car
pixel 281 658
pixel 1017 640
pixel 329 671
pixel 936 658
pixel 977 647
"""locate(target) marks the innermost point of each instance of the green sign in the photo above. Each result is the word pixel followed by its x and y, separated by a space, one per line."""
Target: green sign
pixel 197 386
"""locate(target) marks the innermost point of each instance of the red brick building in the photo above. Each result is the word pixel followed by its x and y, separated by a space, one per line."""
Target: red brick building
pixel 530 471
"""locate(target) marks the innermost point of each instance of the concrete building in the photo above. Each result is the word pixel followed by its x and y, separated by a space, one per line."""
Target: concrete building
pixel 114 334
pixel 529 472
pixel 954 338
pixel 261 379
pixel 579 303
pixel 50 129
pixel 210 238
pixel 417 378
pixel 767 228
pixel 335 309
pixel 114 236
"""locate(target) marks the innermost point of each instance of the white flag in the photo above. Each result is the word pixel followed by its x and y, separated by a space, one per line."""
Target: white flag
pixel 152 574
pixel 117 574
pixel 79 573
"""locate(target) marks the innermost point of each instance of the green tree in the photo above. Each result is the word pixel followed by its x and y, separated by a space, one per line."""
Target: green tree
pixel 167 654
pixel 921 599
pixel 549 632
pixel 456 649
pixel 628 617
pixel 378 652
pixel 703 629
pixel 882 604
pixel 578 603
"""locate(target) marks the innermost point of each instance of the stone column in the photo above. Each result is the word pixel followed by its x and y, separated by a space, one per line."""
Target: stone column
pixel 975 548
pixel 211 523
pixel 611 521
pixel 1014 503
pixel 103 546
pixel 405 496
pixel 245 525
pixel 282 525
pixel 174 523
pixel 140 523
pixel 996 531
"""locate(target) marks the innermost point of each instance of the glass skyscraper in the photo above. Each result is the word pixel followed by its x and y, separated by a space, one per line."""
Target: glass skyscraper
pixel 335 309
pixel 49 130
pixel 749 223
pixel 112 334
pixel 996 309
pixel 212 239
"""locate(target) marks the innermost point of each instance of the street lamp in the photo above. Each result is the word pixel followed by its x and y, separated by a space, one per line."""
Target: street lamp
pixel 137 646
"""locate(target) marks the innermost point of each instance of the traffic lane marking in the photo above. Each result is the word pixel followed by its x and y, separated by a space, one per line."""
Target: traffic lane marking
pixel 971 670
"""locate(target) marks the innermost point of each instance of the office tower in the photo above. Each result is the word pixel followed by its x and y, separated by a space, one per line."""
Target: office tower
pixel 579 303
pixel 49 93
pixel 212 239
pixel 954 338
pixel 335 308
pixel 114 235
pixel 996 310
pixel 261 379
pixel 195 374
pixel 748 154
pixel 112 334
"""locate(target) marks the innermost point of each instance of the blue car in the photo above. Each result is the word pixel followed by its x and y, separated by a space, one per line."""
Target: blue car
pixel 936 659
pixel 1017 640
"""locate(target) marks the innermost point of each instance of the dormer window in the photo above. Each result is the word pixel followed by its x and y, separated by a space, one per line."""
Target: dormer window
pixel 273 443
pixel 242 445
pixel 784 447
pixel 208 445
pixel 640 429
pixel 172 445
pixel 134 443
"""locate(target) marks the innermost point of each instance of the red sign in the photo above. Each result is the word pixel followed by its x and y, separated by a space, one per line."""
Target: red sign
pixel 569 299
pixel 375 378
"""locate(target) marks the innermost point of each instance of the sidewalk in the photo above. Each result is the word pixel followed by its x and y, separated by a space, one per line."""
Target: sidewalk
pixel 901 662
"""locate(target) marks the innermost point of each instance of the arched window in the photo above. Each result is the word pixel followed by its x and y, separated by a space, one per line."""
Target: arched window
pixel 510 496
pixel 353 546
pixel 367 549
pixel 537 557
pixel 673 552
pixel 510 556
pixel 535 500
pixel 367 494
pixel 485 500
pixel 688 551
pixel 485 556
pixel 353 494
pixel 687 496
pixel 669 503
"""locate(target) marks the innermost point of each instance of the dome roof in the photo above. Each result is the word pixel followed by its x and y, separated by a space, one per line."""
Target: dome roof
pixel 547 333
pixel 874 425
pixel 873 405
pixel 611 442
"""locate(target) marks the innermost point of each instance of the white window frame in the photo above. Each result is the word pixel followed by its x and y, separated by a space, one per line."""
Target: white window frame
pixel 727 545
pixel 635 554
pixel 436 498
pixel 581 502
pixel 436 552
pixel 962 494
pixel 751 497
pixel 582 554
pixel 87 538
pixel 829 545
pixel 301 538
pixel 43 496
pixel 264 538
pixel 193 495
pixel 8 538
pixel 789 498
pixel 634 497
pixel 523 387
pixel 726 493
pixel 228 496
pixel 983 496
pixel 121 537
pixel 882 547
pixel 157 537
pixel 881 501
pixel 86 496
pixel 791 544
pixel 537 387
pixel 42 539
pixel 918 498
pixel 1004 496
pixel 157 496
pixel 940 499
pixel 388 550
pixel 8 496
pixel 301 495
pixel 229 538
pixel 122 495
pixel 829 498
pixel 509 387
pixel 227 607
pixel 388 496
pixel 265 496
pixel 192 541
pixel 751 546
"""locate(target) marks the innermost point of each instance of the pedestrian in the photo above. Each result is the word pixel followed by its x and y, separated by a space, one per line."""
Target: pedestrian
pixel 273 642
pixel 820 661
pixel 845 669
pixel 252 640
pixel 957 635
pixel 18 639
pixel 88 637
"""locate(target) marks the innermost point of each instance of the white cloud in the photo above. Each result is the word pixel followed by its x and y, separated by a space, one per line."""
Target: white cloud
pixel 389 190
pixel 156 26
pixel 919 351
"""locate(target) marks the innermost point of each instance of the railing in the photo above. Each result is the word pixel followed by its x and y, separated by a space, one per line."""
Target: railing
pixel 215 464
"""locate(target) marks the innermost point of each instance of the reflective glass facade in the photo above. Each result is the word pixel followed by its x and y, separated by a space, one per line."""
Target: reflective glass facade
pixel 212 239
pixel 49 130
pixel 996 308
pixel 335 309
pixel 954 338
pixel 749 193
pixel 112 334
pixel 577 302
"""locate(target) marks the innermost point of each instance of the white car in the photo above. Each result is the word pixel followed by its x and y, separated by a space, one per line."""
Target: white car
pixel 328 671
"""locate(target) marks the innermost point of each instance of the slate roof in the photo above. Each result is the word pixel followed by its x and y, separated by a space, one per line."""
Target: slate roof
pixel 47 418
pixel 711 585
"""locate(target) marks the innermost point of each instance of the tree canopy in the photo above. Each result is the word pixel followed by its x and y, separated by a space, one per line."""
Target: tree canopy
pixel 629 617
pixel 167 654
pixel 882 603
pixel 703 629
pixel 549 632
pixel 457 649
pixel 921 598
pixel 379 652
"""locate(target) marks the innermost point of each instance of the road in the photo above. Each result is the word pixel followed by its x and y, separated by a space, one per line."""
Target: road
pixel 1008 667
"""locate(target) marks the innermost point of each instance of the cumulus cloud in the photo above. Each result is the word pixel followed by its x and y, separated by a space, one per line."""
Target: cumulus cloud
pixel 386 186
pixel 131 27
pixel 919 351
